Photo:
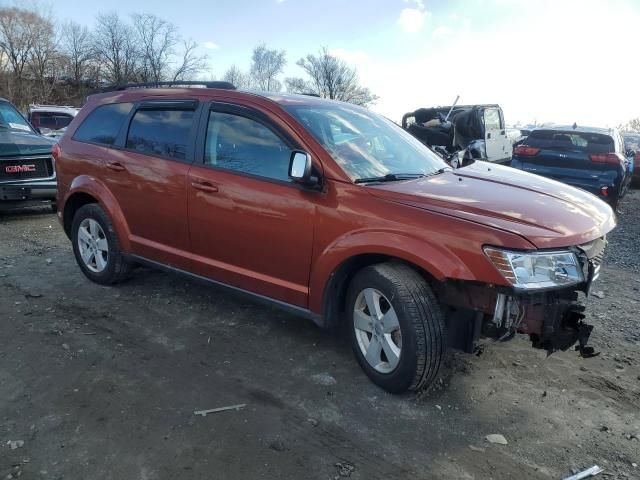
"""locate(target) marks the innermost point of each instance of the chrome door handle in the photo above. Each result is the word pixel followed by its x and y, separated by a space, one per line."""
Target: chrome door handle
pixel 204 186
pixel 115 166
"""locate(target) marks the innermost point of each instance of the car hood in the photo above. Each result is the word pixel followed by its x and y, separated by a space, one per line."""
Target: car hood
pixel 547 213
pixel 15 144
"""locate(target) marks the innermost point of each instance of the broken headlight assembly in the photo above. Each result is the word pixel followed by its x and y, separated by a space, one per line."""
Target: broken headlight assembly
pixel 536 270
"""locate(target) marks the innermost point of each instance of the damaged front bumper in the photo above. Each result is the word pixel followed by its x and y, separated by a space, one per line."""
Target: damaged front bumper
pixel 553 319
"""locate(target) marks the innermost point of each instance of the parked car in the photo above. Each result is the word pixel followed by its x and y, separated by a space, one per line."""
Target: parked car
pixel 593 159
pixel 516 135
pixel 332 212
pixel 27 171
pixel 51 120
pixel 478 128
pixel 632 144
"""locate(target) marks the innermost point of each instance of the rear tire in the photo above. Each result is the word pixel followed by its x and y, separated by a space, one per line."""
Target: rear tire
pixel 96 247
pixel 404 349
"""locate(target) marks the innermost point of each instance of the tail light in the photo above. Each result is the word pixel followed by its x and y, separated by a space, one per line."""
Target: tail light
pixel 604 191
pixel 55 151
pixel 608 158
pixel 526 151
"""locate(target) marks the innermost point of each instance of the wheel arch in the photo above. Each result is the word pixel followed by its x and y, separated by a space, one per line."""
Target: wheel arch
pixel 85 190
pixel 328 290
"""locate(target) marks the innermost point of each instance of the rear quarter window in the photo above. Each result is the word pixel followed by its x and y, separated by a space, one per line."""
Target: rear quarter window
pixel 571 140
pixel 103 124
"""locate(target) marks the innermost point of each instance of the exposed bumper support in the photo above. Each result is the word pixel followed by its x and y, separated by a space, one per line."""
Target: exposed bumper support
pixel 553 320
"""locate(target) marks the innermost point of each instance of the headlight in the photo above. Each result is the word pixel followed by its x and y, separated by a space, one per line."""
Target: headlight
pixel 536 270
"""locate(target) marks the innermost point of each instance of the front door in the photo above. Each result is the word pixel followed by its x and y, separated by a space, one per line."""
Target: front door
pixel 250 226
pixel 497 142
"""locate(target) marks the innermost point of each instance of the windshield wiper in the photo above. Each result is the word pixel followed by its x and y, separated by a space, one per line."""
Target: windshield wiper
pixel 390 177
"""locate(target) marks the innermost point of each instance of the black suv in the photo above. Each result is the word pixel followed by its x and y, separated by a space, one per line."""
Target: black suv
pixel 27 170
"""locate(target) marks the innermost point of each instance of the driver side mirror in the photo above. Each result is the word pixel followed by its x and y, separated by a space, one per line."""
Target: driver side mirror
pixel 300 170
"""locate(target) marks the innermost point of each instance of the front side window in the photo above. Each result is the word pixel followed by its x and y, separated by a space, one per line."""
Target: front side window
pixel 364 144
pixel 160 132
pixel 492 119
pixel 103 124
pixel 10 118
pixel 245 145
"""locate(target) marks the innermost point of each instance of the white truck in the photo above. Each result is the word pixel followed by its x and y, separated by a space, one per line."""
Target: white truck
pixel 478 129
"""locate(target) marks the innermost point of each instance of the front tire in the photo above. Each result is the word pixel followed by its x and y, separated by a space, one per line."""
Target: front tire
pixel 96 247
pixel 396 327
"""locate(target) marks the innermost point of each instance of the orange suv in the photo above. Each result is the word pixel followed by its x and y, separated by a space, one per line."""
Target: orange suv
pixel 332 212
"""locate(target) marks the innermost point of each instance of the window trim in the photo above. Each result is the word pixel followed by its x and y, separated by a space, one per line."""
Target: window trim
pixel 251 114
pixel 98 144
pixel 163 104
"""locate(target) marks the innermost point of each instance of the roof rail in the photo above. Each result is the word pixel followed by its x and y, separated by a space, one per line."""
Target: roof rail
pixel 176 83
pixel 38 105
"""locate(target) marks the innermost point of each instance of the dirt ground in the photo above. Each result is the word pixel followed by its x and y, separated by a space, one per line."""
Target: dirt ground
pixel 102 383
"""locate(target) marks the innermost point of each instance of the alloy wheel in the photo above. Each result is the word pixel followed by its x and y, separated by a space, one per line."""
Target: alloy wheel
pixel 377 330
pixel 93 245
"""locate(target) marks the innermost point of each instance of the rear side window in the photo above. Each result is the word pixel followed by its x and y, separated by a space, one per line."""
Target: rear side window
pixel 103 124
pixel 160 132
pixel 245 145
pixel 571 140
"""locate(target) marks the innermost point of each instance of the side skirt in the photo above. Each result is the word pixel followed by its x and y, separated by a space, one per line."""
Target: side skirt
pixel 287 307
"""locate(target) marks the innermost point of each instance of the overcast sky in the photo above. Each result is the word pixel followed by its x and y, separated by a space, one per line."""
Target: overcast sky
pixel 544 60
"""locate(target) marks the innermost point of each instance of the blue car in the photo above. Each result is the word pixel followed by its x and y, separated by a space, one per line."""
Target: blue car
pixel 593 159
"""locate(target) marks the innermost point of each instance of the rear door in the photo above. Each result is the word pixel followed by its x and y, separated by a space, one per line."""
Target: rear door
pixel 147 174
pixel 497 142
pixel 250 226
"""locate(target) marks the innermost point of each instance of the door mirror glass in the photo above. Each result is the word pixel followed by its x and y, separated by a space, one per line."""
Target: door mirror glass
pixel 300 167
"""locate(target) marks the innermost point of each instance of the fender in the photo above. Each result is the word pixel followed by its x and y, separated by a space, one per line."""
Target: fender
pixel 98 190
pixel 437 260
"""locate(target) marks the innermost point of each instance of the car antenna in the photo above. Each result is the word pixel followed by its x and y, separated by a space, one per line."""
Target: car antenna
pixel 451 109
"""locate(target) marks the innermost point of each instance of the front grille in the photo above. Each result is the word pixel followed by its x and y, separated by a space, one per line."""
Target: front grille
pixel 25 168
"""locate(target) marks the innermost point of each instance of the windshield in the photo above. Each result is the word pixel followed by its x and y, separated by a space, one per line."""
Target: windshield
pixel 10 118
pixel 366 145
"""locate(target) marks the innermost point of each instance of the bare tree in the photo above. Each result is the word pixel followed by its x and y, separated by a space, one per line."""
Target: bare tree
pixel 158 39
pixel 44 59
pixel 632 126
pixel 298 85
pixel 237 77
pixel 191 63
pixel 76 45
pixel 16 45
pixel 266 65
pixel 17 37
pixel 114 46
pixel 330 77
